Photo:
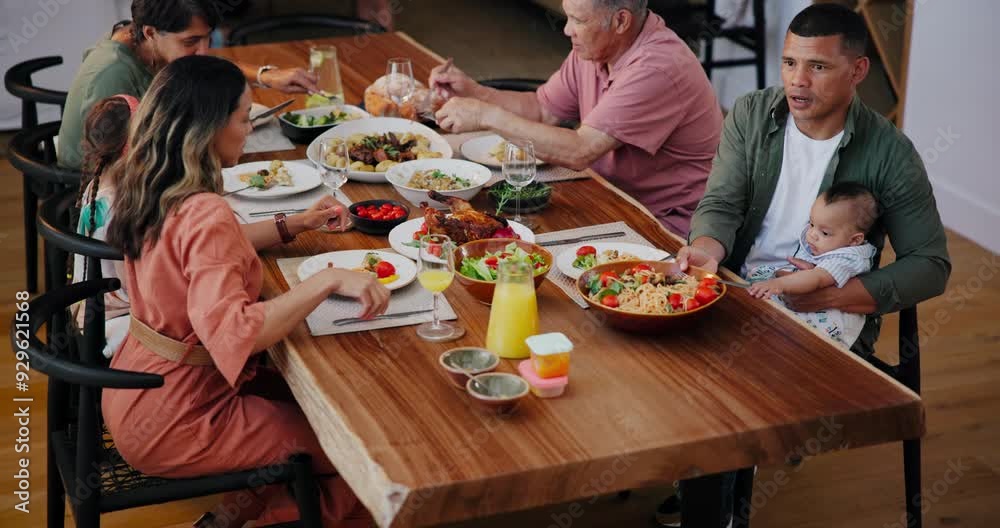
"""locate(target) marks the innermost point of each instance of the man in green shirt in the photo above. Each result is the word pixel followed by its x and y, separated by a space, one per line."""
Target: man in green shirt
pixel 124 63
pixel 781 147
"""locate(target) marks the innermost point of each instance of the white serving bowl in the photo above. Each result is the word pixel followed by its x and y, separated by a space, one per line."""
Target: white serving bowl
pixel 378 125
pixel 399 176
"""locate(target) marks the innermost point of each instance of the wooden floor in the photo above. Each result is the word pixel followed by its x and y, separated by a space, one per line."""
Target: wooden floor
pixel 852 489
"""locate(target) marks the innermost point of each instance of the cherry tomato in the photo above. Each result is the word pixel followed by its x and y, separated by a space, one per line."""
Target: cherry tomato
pixel 607 277
pixel 362 213
pixel 641 267
pixel 586 250
pixel 675 300
pixel 538 265
pixel 492 262
pixel 704 295
pixel 377 216
pixel 691 304
pixel 708 282
pixel 611 301
pixel 398 209
pixel 386 206
pixel 417 235
pixel 434 250
pixel 384 269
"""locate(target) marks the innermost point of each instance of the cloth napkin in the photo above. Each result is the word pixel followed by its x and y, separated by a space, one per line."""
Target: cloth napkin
pixel 267 138
pixel 546 173
pixel 407 299
pixel 568 284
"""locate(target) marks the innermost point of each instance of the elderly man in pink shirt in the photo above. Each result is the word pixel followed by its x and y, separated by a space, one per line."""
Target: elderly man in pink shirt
pixel 650 122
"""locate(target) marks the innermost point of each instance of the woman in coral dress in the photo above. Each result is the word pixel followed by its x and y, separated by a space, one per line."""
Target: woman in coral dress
pixel 194 278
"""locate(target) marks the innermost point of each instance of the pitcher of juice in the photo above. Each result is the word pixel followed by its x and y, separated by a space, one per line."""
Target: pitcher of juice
pixel 514 313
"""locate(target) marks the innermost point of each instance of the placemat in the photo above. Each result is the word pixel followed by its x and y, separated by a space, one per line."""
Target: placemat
pixel 410 298
pixel 267 138
pixel 243 207
pixel 564 282
pixel 545 174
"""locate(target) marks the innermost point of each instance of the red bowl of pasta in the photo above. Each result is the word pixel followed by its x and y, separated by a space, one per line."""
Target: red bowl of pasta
pixel 648 296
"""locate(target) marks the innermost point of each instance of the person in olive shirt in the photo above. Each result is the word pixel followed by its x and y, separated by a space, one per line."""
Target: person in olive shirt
pixel 125 62
pixel 781 147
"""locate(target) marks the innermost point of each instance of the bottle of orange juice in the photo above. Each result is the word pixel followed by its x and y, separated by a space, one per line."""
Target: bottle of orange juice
pixel 514 313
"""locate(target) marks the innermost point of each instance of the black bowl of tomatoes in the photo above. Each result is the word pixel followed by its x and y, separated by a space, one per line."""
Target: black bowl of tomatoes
pixel 378 217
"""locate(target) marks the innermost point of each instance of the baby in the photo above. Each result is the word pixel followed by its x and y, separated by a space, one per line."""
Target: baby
pixel 832 249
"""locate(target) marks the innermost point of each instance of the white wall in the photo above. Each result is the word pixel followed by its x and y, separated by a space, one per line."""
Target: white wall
pixel 38 28
pixel 951 111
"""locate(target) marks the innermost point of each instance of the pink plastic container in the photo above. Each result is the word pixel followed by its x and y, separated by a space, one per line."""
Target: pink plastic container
pixel 542 387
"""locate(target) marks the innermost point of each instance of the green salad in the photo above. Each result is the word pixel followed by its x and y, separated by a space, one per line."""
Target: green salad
pixel 309 120
pixel 485 268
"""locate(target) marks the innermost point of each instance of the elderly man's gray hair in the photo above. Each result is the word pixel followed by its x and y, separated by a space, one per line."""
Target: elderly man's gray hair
pixel 637 7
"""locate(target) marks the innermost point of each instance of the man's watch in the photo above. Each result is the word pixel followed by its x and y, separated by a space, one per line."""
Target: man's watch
pixel 279 222
pixel 260 73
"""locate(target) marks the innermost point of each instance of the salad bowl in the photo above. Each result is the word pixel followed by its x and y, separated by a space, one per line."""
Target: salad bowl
pixel 476 263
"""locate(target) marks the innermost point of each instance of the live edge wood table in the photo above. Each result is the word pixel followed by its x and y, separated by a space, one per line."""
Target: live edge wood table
pixel 747 385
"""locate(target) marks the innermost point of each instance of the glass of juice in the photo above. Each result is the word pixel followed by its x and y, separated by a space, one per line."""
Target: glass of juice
pixel 514 312
pixel 435 271
pixel 323 62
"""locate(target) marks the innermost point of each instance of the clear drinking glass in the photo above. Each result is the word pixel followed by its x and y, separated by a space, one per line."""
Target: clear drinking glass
pixel 323 62
pixel 333 166
pixel 435 272
pixel 519 170
pixel 399 84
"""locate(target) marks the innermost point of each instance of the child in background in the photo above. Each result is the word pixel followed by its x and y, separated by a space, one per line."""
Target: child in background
pixel 832 249
pixel 104 142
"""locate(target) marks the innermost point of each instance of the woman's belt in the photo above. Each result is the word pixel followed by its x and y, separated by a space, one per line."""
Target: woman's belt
pixel 168 348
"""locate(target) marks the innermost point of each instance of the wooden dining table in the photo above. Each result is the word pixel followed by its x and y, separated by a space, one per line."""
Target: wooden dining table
pixel 746 384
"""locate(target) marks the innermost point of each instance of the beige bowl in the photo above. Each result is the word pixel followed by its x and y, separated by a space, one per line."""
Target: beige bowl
pixel 498 391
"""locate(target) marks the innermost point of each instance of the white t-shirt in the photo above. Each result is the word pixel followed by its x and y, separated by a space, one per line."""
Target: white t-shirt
pixel 802 168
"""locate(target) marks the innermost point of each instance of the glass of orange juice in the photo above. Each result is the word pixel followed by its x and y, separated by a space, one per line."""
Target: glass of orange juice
pixel 435 271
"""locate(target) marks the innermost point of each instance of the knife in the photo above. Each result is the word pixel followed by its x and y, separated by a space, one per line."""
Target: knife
pixel 564 241
pixel 271 111
pixel 353 320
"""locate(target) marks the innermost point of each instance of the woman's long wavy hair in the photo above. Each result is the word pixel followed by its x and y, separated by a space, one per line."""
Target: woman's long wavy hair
pixel 171 154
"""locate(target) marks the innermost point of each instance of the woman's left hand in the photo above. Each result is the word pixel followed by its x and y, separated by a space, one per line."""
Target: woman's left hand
pixel 325 212
pixel 291 80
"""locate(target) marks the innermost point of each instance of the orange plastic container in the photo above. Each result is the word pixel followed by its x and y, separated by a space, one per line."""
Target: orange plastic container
pixel 550 354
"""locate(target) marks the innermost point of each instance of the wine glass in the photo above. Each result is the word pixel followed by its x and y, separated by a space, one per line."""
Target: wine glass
pixel 399 85
pixel 435 271
pixel 333 166
pixel 519 170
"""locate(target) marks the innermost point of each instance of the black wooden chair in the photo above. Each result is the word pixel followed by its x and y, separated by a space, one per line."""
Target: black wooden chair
pixel 32 153
pixel 83 462
pixel 700 26
pixel 18 82
pixel 291 27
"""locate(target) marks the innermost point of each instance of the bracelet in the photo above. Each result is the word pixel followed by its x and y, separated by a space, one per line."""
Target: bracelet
pixel 279 222
pixel 260 72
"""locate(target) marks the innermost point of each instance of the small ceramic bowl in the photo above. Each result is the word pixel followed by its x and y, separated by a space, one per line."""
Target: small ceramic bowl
pixel 498 391
pixel 457 361
pixel 376 227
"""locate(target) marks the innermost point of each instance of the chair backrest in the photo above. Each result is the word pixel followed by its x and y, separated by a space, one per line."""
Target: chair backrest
pixel 513 84
pixel 32 151
pixel 18 82
pixel 331 24
pixel 55 226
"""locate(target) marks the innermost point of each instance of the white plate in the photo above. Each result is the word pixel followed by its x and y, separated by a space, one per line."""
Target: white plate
pixel 318 111
pixel 564 261
pixel 304 178
pixel 378 125
pixel 403 233
pixel 478 150
pixel 405 268
pixel 399 176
